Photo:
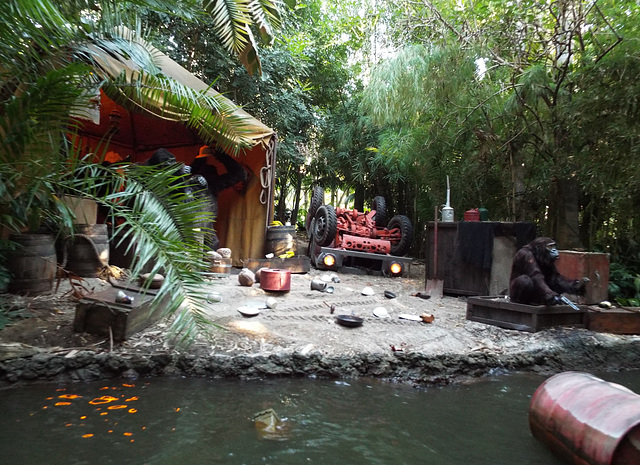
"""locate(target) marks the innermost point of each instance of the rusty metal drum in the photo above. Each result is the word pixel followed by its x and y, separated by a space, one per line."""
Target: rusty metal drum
pixel 586 420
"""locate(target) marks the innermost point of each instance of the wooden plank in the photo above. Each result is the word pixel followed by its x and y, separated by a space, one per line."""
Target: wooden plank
pixel 613 320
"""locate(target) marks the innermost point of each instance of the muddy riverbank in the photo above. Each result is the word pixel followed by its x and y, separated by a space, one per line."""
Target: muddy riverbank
pixel 300 337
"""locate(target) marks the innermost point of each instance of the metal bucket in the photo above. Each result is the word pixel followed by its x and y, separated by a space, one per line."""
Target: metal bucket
pixel 275 280
pixel 32 264
pixel 587 421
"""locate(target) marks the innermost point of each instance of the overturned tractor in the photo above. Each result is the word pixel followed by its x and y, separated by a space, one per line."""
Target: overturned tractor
pixel 338 233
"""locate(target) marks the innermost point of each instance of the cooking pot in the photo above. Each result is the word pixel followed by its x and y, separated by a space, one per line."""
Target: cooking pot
pixel 275 280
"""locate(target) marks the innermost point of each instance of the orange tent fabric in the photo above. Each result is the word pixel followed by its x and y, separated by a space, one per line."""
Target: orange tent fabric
pixel 139 128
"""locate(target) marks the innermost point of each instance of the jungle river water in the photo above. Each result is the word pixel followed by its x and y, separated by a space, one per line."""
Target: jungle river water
pixel 198 421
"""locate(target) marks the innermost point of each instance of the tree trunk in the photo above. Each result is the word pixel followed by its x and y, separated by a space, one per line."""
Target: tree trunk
pixel 296 203
pixel 564 207
pixel 358 198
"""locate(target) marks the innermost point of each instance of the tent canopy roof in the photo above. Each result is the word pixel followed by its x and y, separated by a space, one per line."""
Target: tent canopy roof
pixel 137 80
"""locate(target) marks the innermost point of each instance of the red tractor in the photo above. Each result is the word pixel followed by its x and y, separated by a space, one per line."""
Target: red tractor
pixel 352 230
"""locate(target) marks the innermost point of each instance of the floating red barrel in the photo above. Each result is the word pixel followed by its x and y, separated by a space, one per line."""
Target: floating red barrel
pixel 275 280
pixel 586 420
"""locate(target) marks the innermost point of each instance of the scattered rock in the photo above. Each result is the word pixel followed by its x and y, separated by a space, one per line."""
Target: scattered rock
pixel 155 282
pixel 214 255
pixel 368 291
pixel 224 252
pixel 246 277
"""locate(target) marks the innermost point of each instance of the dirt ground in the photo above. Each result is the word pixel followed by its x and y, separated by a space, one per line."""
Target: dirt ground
pixel 302 324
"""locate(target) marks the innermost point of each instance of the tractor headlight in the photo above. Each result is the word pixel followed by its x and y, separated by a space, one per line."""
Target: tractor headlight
pixel 329 260
pixel 395 269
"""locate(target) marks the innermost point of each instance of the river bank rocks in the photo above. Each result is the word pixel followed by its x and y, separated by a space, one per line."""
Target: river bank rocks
pixel 23 365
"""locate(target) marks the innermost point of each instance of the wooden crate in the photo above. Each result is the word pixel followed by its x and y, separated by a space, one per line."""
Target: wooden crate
pixel 98 313
pixel 498 311
pixel 613 320
pixel 595 266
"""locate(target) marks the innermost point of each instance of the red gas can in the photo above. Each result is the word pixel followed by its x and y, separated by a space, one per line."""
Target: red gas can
pixel 472 215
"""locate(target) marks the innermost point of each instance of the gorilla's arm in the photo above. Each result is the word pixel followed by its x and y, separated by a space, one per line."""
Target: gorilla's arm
pixel 560 284
pixel 235 172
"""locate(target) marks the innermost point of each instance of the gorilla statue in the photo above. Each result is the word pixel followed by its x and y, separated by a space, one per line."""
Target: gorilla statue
pixel 203 180
pixel 534 278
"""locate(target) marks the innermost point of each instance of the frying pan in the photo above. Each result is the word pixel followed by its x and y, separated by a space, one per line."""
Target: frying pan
pixel 350 321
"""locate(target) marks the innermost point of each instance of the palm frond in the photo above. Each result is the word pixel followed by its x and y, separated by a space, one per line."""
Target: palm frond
pixel 159 222
pixel 265 15
pixel 131 76
pixel 230 19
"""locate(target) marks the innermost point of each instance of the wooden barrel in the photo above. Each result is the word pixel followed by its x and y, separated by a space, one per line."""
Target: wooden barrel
pixel 32 264
pixel 88 252
pixel 280 240
pixel 587 421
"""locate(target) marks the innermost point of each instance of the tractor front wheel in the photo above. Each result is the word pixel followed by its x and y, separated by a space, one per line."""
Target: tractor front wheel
pixel 325 225
pixel 401 231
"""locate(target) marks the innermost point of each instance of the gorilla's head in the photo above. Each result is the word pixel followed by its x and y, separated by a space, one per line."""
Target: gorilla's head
pixel 544 250
pixel 164 158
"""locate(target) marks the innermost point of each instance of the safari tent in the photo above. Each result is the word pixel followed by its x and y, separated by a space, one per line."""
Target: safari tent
pixel 138 125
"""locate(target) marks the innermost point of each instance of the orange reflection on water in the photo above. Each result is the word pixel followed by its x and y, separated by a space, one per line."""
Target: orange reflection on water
pixel 88 435
pixel 129 385
pixel 103 400
pixel 116 407
pixel 60 404
pixel 69 396
pixel 132 410
pixel 130 399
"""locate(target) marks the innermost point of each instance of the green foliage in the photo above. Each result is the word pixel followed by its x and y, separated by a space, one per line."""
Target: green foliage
pixel 624 285
pixel 10 312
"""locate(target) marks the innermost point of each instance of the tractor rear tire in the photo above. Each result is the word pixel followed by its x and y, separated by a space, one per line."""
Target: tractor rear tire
pixel 317 198
pixel 380 206
pixel 325 225
pixel 401 246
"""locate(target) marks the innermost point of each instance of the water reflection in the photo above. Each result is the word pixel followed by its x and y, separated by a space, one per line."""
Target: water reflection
pixel 187 421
